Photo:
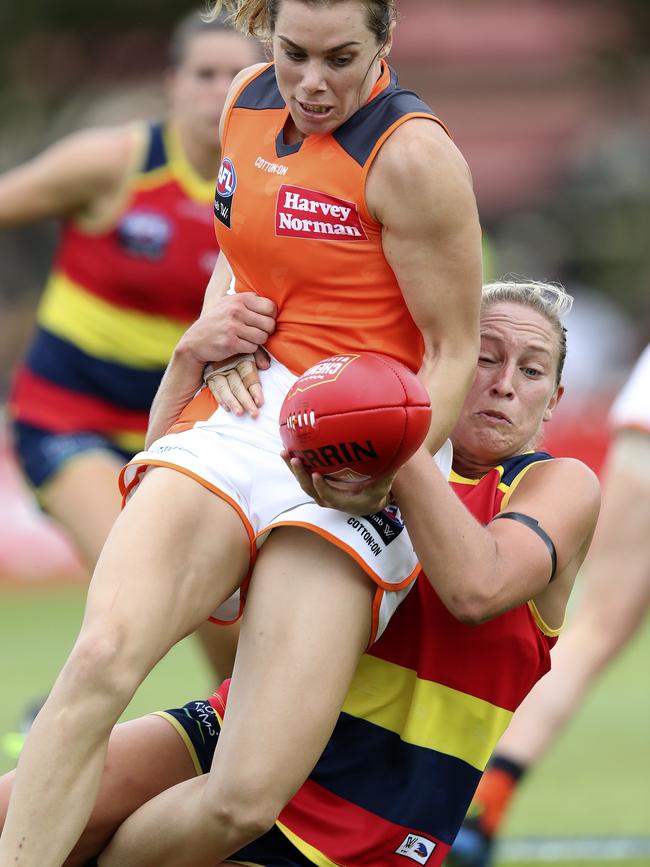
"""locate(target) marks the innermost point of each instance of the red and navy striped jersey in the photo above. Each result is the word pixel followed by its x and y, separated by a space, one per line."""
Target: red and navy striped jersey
pixel 429 701
pixel 118 299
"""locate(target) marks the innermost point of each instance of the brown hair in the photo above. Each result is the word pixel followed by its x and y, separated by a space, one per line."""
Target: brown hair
pixel 257 17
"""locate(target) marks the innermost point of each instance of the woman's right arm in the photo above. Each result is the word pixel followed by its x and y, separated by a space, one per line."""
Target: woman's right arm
pixel 229 325
pixel 69 178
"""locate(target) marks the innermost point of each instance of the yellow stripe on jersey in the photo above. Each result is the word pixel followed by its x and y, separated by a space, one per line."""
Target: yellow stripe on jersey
pixel 128 441
pixel 424 713
pixel 105 331
pixel 542 624
pixel 512 487
pixel 177 168
pixel 308 851
pixel 194 185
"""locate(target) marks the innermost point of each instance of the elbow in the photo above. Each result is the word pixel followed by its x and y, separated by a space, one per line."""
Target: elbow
pixel 469 606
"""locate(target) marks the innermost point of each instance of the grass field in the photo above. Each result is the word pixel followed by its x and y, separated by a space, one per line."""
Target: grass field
pixel 596 783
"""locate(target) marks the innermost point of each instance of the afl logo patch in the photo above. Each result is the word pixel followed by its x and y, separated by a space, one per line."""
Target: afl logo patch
pixel 226 179
pixel 226 183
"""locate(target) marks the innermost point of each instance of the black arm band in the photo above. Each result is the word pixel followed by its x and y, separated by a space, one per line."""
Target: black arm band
pixel 527 521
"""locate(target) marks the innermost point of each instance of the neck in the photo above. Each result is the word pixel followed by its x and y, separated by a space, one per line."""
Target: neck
pixel 474 468
pixel 469 467
pixel 204 158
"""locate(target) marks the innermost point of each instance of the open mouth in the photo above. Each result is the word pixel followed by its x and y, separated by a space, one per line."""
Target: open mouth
pixel 314 110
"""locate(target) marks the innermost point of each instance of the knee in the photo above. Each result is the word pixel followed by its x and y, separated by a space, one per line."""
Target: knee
pixel 247 812
pixel 97 665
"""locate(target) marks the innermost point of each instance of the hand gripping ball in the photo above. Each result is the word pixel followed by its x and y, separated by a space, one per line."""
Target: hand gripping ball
pixel 355 417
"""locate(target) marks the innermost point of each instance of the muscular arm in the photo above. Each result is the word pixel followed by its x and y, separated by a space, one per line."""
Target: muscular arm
pixel 70 178
pixel 480 572
pixel 420 191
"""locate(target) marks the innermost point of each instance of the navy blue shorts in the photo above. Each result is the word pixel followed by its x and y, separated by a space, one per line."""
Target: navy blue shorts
pixel 198 725
pixel 41 453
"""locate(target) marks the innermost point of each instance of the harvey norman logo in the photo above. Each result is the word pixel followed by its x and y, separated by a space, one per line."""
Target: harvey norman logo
pixel 302 213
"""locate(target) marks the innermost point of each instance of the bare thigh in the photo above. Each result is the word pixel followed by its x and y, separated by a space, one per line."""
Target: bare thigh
pixel 174 553
pixel 305 626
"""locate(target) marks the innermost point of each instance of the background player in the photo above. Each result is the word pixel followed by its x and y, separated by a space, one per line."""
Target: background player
pixel 613 602
pixel 137 247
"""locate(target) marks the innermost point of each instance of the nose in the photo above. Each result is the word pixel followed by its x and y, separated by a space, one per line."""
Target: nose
pixel 312 78
pixel 502 383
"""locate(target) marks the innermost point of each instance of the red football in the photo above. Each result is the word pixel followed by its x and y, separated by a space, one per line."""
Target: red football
pixel 355 417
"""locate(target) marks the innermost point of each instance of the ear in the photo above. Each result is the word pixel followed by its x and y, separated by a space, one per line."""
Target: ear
pixel 553 402
pixel 388 44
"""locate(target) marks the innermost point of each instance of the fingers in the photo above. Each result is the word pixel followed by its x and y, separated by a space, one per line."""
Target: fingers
pixel 262 359
pixel 238 390
pixel 257 312
pixel 357 500
pixel 259 304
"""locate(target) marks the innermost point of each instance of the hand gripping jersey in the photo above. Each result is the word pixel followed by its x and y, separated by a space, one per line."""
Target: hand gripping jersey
pixel 293 223
pixel 631 409
pixel 118 300
pixel 427 705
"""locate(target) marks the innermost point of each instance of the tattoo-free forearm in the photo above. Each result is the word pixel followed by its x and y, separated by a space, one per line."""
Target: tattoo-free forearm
pixel 179 384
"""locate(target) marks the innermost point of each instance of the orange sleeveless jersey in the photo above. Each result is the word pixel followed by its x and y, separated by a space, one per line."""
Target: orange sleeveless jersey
pixel 293 223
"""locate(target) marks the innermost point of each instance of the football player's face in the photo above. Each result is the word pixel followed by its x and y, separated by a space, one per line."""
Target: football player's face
pixel 515 388
pixel 326 60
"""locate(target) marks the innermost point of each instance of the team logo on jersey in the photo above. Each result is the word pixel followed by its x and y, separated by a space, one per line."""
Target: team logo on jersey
pixel 304 213
pixel 388 523
pixel 418 849
pixel 145 234
pixel 226 184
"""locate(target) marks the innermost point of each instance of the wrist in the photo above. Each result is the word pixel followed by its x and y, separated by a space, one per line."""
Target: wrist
pixel 411 473
pixel 185 357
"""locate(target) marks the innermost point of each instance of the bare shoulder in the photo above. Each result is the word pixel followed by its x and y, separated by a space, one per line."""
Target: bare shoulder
pixel 422 143
pixel 420 162
pixel 564 489
pixel 99 158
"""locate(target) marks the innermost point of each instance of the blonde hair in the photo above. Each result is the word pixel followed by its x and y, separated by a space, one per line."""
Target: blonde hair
pixel 550 299
pixel 257 17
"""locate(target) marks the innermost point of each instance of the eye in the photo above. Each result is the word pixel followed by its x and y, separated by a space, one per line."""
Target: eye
pixel 485 359
pixel 532 372
pixel 295 56
pixel 339 62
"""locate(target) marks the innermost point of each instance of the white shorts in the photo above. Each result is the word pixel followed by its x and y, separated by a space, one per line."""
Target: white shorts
pixel 631 409
pixel 238 458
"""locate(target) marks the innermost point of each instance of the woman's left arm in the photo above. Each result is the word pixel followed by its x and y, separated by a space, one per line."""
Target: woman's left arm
pixel 420 190
pixel 481 571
